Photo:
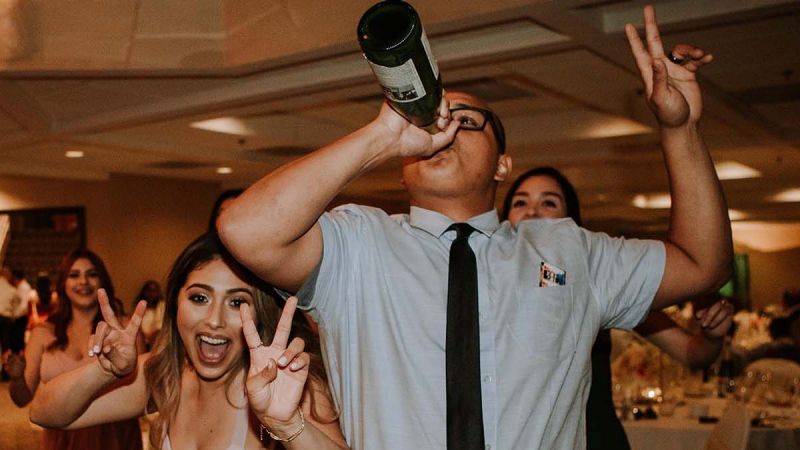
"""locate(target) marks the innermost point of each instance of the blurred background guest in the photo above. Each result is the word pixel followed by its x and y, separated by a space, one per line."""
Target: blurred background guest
pixel 154 314
pixel 60 344
pixel 43 300
pixel 8 300
pixel 21 309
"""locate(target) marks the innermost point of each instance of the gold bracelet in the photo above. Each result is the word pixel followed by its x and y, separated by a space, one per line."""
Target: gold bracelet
pixel 291 437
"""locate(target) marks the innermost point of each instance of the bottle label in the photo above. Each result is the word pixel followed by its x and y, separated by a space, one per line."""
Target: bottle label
pixel 427 46
pixel 400 84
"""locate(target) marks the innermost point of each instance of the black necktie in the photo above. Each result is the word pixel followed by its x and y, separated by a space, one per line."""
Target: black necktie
pixel 464 411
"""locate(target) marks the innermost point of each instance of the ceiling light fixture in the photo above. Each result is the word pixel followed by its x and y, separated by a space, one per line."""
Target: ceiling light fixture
pixel 735 214
pixel 652 201
pixel 227 125
pixel 224 170
pixel 787 196
pixel 732 170
pixel 74 154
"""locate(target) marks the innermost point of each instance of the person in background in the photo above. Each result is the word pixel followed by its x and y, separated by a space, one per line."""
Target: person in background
pixel 545 193
pixel 41 301
pixel 211 375
pixel 8 301
pixel 59 345
pixel 154 314
pixel 25 293
pixel 380 285
pixel 223 201
pixel 785 333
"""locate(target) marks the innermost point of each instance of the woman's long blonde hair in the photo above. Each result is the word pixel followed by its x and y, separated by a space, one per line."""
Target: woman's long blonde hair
pixel 166 364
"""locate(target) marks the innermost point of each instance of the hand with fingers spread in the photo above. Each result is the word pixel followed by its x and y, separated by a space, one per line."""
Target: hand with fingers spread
pixel 277 372
pixel 716 320
pixel 670 83
pixel 14 364
pixel 115 345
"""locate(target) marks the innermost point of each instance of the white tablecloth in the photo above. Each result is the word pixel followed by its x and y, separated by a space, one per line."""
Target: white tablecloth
pixel 679 432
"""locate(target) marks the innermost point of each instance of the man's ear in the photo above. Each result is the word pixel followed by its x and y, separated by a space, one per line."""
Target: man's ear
pixel 503 167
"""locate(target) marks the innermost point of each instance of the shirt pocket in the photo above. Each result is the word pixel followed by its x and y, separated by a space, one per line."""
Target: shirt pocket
pixel 543 325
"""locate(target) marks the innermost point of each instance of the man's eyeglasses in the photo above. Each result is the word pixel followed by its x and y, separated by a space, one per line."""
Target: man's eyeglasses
pixel 473 118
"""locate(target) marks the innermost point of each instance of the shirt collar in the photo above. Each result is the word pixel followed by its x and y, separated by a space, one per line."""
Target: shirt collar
pixel 436 223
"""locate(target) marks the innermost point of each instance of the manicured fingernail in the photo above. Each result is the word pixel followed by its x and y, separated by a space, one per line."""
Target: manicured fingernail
pixel 91 353
pixel 96 349
pixel 295 366
pixel 282 361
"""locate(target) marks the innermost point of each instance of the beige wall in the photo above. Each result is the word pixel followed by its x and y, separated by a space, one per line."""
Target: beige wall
pixel 138 225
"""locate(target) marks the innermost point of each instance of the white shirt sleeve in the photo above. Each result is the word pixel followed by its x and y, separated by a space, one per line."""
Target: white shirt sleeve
pixel 626 274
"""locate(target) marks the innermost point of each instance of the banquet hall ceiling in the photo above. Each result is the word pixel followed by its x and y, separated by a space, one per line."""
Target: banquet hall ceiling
pixel 128 81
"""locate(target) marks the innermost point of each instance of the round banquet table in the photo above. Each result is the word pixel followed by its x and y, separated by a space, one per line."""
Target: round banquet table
pixel 680 432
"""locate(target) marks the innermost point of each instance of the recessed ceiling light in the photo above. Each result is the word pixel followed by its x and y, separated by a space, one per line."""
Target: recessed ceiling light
pixel 228 125
pixel 789 195
pixel 735 214
pixel 652 201
pixel 74 154
pixel 224 170
pixel 614 127
pixel 732 170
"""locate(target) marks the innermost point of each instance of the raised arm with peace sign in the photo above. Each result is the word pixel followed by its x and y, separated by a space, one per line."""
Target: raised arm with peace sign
pixel 278 372
pixel 698 245
pixel 113 344
pixel 670 83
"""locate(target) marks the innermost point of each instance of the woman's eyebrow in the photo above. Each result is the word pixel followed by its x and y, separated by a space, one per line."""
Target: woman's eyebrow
pixel 201 286
pixel 553 193
pixel 240 289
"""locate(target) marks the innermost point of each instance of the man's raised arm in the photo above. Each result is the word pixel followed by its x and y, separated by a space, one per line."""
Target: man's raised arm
pixel 698 246
pixel 272 227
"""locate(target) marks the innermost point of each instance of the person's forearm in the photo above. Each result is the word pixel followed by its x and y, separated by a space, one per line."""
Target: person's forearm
pixel 699 227
pixel 61 401
pixel 281 207
pixel 703 351
pixel 21 394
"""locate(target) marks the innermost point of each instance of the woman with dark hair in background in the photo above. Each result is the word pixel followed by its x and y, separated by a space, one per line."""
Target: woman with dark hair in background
pixel 59 345
pixel 212 377
pixel 544 192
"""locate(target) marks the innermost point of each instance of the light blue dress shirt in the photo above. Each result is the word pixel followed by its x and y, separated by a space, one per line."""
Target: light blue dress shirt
pixel 379 295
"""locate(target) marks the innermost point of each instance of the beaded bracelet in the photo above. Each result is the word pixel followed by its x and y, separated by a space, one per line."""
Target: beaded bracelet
pixel 291 437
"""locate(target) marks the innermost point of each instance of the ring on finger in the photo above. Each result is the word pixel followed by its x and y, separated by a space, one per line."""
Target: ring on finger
pixel 675 59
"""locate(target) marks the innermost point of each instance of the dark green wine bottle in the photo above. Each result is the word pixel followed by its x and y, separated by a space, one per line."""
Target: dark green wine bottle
pixel 391 36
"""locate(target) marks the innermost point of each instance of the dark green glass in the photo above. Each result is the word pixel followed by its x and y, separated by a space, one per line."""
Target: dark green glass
pixel 394 43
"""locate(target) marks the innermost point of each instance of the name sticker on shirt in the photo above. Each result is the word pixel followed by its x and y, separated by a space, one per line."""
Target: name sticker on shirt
pixel 550 275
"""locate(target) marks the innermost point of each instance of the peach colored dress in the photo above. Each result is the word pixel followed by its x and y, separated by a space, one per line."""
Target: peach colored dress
pixel 124 435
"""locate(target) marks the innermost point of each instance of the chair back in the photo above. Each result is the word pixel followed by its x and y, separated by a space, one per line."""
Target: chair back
pixel 732 430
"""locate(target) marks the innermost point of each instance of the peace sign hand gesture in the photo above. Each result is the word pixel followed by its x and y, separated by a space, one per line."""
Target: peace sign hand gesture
pixel 277 373
pixel 670 83
pixel 113 344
